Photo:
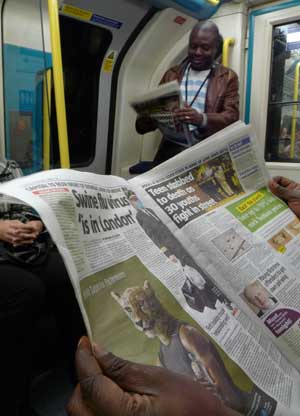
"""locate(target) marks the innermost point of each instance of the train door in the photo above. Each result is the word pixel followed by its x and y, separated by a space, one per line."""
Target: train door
pixel 273 87
pixel 94 37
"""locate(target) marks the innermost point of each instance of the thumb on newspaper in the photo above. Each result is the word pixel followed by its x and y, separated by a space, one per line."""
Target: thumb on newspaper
pixel 95 391
pixel 110 386
pixel 285 189
pixel 130 376
pixel 161 391
pixel 280 191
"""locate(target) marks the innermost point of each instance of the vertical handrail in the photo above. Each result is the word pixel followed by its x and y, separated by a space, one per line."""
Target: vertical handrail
pixel 213 2
pixel 46 117
pixel 225 55
pixel 294 116
pixel 59 85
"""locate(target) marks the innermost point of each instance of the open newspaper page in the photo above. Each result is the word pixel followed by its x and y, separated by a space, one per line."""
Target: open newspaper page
pixel 214 199
pixel 147 300
pixel 145 296
pixel 159 105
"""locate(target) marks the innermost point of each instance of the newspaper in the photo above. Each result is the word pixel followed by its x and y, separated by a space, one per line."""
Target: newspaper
pixel 191 266
pixel 159 105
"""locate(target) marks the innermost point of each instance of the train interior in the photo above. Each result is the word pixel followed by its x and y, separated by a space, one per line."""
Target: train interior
pixel 112 51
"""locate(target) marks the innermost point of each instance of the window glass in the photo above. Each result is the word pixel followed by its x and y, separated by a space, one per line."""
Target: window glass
pixel 83 49
pixel 283 126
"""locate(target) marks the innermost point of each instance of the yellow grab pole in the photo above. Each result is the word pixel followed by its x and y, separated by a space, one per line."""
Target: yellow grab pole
pixel 225 56
pixel 46 118
pixel 294 116
pixel 213 2
pixel 59 85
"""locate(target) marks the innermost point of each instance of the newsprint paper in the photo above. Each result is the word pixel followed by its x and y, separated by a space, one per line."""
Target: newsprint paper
pixel 159 105
pixel 193 266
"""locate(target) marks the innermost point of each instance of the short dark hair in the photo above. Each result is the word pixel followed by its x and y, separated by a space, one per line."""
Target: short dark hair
pixel 220 42
pixel 210 26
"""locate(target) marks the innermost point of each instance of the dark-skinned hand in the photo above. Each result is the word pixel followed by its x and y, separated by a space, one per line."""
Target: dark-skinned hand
pixel 288 191
pixel 110 386
pixel 189 115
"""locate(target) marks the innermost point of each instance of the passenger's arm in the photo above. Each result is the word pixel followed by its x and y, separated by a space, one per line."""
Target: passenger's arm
pixel 287 190
pixel 111 386
pixel 230 111
pixel 145 125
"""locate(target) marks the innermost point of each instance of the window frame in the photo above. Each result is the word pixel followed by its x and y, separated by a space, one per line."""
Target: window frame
pixel 260 86
pixel 282 104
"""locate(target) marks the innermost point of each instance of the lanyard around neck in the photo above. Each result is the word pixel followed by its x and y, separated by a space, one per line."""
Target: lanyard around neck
pixel 199 89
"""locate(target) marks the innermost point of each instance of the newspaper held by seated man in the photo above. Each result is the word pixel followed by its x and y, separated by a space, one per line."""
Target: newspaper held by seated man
pixel 193 266
pixel 159 104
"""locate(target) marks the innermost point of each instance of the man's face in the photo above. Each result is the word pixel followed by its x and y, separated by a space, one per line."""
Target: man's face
pixel 135 202
pixel 202 49
pixel 258 297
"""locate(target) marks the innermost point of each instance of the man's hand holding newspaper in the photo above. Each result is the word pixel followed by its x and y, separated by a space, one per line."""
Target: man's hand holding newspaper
pixel 287 190
pixel 110 386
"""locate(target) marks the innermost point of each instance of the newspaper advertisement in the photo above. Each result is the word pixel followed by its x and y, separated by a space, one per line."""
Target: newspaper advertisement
pixel 148 293
pixel 159 105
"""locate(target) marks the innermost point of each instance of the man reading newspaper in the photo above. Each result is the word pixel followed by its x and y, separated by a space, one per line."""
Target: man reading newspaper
pixel 209 93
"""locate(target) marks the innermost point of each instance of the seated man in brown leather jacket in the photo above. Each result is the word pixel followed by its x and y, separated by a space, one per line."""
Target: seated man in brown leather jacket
pixel 209 91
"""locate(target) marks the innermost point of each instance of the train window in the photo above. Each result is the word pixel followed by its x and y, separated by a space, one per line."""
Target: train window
pixel 83 49
pixel 283 126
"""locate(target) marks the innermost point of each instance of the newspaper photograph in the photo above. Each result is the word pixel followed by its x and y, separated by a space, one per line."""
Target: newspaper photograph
pixel 169 270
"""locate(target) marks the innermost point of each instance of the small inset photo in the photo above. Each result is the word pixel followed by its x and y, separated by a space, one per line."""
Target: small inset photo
pixel 280 240
pixel 294 227
pixel 231 244
pixel 258 298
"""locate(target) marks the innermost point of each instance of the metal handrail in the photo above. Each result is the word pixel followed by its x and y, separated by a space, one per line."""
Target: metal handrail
pixel 225 55
pixel 294 116
pixel 214 2
pixel 46 118
pixel 283 103
pixel 59 85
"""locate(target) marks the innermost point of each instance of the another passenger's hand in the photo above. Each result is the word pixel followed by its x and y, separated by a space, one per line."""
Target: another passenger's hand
pixel 287 190
pixel 189 115
pixel 110 386
pixel 31 232
pixel 17 233
pixel 11 231
pixel 35 227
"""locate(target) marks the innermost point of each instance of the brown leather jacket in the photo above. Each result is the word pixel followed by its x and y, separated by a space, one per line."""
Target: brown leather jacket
pixel 222 99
